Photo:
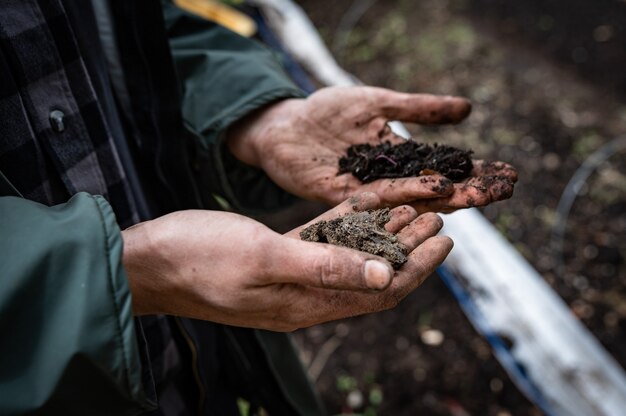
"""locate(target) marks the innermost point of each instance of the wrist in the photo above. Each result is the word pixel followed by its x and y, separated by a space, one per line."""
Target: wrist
pixel 253 135
pixel 143 267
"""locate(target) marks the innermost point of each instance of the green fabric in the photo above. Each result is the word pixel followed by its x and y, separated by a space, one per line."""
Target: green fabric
pixel 225 77
pixel 68 337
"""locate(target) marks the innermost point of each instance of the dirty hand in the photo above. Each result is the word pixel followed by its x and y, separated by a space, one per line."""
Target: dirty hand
pixel 229 269
pixel 298 143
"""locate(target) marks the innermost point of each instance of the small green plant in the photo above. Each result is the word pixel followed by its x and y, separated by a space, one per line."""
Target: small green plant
pixel 244 407
pixel 346 383
pixel 361 397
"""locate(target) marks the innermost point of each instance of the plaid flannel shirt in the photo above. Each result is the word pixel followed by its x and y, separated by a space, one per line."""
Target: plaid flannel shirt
pixel 54 140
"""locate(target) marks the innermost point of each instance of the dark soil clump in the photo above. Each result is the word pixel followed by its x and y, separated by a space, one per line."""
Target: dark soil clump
pixel 369 163
pixel 364 231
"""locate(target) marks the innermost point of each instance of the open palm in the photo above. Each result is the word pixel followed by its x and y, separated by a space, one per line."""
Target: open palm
pixel 298 143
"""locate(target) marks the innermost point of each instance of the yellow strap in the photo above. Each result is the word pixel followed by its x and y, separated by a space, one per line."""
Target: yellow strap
pixel 220 13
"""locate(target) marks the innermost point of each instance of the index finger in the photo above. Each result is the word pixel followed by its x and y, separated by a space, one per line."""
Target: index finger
pixel 422 108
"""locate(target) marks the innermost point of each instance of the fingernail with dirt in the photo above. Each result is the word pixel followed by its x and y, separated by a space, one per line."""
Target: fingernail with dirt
pixel 377 275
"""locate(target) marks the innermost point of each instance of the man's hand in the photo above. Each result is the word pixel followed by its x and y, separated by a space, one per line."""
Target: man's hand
pixel 226 268
pixel 298 143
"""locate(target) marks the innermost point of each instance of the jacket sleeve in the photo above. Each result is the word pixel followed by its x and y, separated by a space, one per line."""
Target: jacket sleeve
pixel 224 77
pixel 68 343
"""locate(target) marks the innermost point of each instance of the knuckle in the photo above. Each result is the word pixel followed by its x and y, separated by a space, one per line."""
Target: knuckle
pixel 355 199
pixel 364 200
pixel 443 241
pixel 421 265
pixel 432 219
pixel 329 271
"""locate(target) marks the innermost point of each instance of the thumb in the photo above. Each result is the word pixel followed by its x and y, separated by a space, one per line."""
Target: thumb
pixel 328 266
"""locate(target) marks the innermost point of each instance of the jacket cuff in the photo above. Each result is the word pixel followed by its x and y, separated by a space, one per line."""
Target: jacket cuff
pixel 135 367
pixel 223 78
pixel 72 347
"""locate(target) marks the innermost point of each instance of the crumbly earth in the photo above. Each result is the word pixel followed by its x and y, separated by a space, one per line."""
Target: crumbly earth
pixel 364 231
pixel 407 159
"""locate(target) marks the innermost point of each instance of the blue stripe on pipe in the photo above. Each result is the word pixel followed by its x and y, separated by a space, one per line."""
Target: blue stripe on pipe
pixel 515 369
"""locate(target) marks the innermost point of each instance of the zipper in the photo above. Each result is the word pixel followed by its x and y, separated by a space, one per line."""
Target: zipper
pixel 194 363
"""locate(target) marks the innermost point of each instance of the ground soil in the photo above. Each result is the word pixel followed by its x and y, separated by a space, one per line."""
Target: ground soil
pixel 386 160
pixel 544 102
pixel 363 231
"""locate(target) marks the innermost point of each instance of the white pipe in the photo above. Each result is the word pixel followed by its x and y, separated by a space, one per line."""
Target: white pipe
pixel 573 371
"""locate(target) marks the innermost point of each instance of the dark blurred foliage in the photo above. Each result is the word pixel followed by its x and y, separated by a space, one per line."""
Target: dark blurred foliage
pixel 591 35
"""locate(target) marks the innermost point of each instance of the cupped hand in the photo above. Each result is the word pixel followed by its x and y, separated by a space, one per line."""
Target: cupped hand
pixel 298 143
pixel 229 269
pixel 489 182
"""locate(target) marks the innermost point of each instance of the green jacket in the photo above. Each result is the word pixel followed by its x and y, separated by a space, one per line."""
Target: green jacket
pixel 69 344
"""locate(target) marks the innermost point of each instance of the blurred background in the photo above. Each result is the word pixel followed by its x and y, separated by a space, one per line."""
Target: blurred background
pixel 548 82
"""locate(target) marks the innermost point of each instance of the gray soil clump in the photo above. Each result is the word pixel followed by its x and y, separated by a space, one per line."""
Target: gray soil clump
pixel 363 231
